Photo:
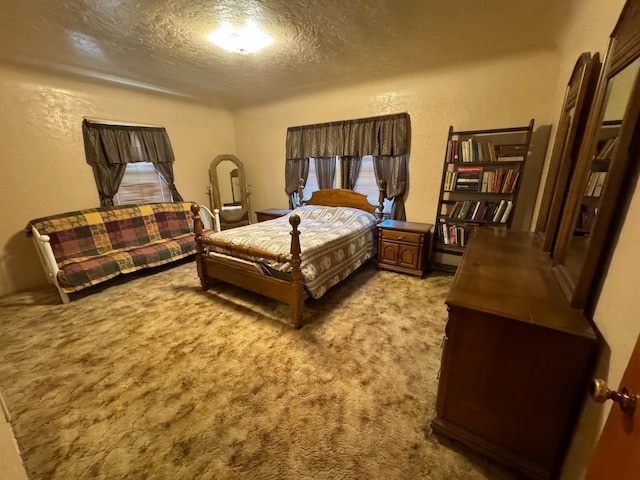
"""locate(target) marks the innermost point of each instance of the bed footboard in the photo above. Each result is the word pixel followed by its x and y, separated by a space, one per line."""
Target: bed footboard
pixel 209 268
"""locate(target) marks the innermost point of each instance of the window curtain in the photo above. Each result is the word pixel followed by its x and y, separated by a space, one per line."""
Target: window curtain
pixel 325 171
pixel 294 170
pixel 109 148
pixel 385 137
pixel 158 150
pixel 350 168
pixel 393 170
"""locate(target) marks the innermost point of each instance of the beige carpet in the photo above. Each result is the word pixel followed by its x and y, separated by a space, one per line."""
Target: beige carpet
pixel 153 378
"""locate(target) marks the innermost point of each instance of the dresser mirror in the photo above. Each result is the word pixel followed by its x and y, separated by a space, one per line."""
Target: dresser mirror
pixel 228 191
pixel 571 125
pixel 595 204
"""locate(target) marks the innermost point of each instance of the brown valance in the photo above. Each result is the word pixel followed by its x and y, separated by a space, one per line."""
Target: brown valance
pixel 386 135
pixel 110 144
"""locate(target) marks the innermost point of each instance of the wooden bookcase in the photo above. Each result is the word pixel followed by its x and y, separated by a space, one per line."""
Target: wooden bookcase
pixel 481 178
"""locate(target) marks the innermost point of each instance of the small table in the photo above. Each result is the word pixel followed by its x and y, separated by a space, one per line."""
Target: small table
pixel 271 213
pixel 404 246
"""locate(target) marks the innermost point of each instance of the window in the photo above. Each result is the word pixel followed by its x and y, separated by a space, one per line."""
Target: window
pixel 144 152
pixel 312 181
pixel 366 182
pixel 142 183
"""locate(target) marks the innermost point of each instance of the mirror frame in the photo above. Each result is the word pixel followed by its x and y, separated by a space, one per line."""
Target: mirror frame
pixel 623 50
pixel 578 98
pixel 243 213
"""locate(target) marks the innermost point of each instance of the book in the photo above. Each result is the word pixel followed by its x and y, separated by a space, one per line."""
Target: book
pixel 499 178
pixel 514 181
pixel 591 184
pixel 601 177
pixel 464 210
pixel 444 233
pixel 476 210
pixel 507 212
pixel 512 153
pixel 450 180
pixel 493 155
pixel 453 211
pixel 497 216
pixel 464 148
pixel 468 178
pixel 469 170
pixel 473 150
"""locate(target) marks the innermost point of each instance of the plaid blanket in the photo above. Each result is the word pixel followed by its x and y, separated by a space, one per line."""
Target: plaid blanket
pixel 93 245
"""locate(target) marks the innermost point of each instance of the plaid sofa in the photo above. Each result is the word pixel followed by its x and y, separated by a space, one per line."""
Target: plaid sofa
pixel 86 247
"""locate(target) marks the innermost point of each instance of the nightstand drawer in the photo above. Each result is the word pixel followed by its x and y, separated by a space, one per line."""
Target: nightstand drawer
pixel 404 237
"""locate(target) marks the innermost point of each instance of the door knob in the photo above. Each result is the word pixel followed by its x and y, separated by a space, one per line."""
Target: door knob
pixel 626 398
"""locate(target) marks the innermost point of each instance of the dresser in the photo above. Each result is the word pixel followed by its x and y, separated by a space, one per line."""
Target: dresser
pixel 404 246
pixel 516 358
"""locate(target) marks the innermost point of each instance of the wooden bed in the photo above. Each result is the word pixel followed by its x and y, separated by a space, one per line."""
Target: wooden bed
pixel 230 270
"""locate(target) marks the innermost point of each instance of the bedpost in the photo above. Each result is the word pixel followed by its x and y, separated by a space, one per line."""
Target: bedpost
pixel 382 190
pixel 296 292
pixel 300 191
pixel 198 227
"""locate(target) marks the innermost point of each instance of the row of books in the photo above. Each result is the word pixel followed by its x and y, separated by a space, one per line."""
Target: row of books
pixel 595 184
pixel 471 150
pixel 473 179
pixel 481 211
pixel 452 234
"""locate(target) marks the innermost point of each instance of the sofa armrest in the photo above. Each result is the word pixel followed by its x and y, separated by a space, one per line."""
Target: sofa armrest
pixel 210 221
pixel 48 260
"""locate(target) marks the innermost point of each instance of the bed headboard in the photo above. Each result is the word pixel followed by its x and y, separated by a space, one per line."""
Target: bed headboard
pixel 342 197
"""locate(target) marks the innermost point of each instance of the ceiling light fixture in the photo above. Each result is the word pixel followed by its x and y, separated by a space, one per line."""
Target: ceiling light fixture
pixel 247 39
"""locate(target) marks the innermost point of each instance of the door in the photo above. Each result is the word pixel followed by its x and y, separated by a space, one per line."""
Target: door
pixel 617 455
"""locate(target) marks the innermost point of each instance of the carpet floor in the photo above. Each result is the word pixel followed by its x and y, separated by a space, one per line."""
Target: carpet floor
pixel 150 377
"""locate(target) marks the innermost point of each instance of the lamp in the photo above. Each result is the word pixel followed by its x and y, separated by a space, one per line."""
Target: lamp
pixel 247 39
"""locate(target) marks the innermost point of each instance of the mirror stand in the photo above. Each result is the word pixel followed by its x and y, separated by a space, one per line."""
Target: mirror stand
pixel 228 191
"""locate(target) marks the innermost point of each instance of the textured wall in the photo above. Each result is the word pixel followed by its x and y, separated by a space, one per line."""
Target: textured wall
pixel 494 94
pixel 42 153
pixel 587 30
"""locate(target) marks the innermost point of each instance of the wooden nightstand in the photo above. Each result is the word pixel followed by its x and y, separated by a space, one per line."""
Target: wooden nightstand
pixel 271 213
pixel 404 246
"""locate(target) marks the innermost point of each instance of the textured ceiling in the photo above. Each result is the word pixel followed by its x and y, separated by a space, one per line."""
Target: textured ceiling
pixel 162 44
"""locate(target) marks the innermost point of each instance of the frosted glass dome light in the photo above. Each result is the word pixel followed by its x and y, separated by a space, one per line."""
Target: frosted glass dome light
pixel 247 39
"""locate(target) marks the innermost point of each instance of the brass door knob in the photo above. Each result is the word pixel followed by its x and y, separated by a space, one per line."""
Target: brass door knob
pixel 626 398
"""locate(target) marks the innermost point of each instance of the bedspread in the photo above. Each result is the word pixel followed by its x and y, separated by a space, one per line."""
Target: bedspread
pixel 334 242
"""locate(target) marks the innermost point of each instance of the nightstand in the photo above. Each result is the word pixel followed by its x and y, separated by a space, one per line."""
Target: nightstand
pixel 271 213
pixel 404 246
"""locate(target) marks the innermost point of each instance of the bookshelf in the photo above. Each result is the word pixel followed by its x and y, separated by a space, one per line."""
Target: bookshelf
pixel 599 168
pixel 481 178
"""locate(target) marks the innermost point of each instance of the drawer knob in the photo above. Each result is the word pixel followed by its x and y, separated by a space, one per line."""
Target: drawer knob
pixel 400 237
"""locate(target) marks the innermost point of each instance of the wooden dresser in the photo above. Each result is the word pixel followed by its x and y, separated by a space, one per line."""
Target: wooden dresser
pixel 516 358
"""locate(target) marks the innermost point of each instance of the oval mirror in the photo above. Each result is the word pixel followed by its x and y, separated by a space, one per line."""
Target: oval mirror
pixel 228 191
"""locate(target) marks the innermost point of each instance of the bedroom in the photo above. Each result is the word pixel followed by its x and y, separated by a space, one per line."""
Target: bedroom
pixel 41 127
